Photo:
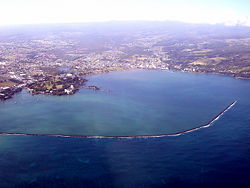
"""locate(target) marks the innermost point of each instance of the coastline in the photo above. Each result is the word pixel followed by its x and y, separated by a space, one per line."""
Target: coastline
pixel 171 70
pixel 208 124
pixel 83 76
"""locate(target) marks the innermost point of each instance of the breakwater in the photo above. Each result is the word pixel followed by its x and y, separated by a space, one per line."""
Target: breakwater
pixel 221 113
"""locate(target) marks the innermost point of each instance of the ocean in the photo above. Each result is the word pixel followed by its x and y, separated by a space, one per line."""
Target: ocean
pixel 130 103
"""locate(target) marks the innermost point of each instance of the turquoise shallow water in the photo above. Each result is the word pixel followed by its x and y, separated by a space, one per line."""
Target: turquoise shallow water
pixel 133 102
pixel 130 103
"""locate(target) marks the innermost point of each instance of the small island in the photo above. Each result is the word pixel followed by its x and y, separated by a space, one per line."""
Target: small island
pixel 94 88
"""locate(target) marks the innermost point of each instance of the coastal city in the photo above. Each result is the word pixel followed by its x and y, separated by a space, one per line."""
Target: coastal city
pixel 125 94
pixel 58 62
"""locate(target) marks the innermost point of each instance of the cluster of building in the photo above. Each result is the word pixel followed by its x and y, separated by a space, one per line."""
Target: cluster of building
pixel 32 62
pixel 24 60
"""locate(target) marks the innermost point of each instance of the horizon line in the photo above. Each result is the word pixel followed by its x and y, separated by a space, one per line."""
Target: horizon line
pixel 117 21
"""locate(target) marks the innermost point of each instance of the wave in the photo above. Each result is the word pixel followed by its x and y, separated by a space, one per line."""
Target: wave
pixel 217 117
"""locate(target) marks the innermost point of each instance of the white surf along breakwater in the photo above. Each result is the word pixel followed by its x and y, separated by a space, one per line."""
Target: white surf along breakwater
pixel 217 117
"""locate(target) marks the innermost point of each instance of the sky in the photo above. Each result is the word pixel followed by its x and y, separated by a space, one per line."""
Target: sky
pixel 229 12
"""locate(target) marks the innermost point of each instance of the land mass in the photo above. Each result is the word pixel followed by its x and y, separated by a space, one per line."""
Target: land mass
pixel 55 59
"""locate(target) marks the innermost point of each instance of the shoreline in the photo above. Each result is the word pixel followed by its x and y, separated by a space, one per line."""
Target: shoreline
pixel 171 70
pixel 123 69
pixel 208 124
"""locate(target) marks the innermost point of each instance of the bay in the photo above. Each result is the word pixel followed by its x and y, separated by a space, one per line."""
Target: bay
pixel 130 103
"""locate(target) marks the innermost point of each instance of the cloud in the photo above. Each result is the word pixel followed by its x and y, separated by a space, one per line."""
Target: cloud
pixel 61 11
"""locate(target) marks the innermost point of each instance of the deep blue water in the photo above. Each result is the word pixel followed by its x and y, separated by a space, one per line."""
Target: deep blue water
pixel 217 156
